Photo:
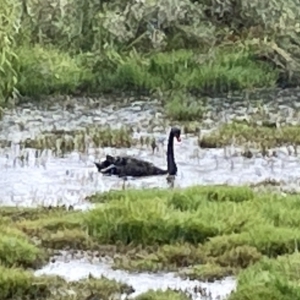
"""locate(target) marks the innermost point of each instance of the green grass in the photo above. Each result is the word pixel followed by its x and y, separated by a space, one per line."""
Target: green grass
pixel 270 279
pixel 107 47
pixel 207 272
pixel 160 295
pixel 203 232
pixel 17 250
pixel 260 137
pixel 16 283
pixel 45 70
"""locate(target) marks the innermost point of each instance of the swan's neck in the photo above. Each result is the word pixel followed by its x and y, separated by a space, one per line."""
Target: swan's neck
pixel 171 146
pixel 172 169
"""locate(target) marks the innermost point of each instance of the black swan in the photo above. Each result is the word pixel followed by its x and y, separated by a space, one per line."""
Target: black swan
pixel 123 166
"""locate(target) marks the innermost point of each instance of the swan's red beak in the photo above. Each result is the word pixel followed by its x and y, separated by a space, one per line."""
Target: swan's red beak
pixel 178 139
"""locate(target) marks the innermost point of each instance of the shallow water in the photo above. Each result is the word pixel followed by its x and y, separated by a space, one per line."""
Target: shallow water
pixel 52 180
pixel 141 282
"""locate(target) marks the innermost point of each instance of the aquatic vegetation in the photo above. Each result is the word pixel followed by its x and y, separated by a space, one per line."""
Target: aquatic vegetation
pixel 163 295
pixel 181 106
pixel 254 136
pixel 62 142
pixel 207 272
pixel 28 213
pixel 186 196
pixel 166 257
pixel 219 71
pixel 102 288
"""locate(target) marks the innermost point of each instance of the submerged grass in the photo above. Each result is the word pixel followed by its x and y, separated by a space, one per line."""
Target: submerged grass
pixel 206 232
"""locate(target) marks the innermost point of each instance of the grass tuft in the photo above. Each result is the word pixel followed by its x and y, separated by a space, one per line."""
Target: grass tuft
pixel 201 232
pixel 262 137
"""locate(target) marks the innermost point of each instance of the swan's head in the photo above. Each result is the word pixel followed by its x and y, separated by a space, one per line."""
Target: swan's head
pixel 176 132
pixel 110 160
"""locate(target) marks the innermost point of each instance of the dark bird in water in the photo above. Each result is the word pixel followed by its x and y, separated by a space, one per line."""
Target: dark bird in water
pixel 123 166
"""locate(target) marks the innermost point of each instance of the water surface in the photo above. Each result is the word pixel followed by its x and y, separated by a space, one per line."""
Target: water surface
pixel 54 180
pixel 77 269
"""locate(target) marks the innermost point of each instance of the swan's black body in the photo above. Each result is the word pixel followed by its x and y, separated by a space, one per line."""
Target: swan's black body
pixel 128 166
pixel 123 166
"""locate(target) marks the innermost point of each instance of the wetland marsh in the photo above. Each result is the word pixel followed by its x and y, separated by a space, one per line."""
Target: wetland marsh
pixel 232 216
pixel 229 229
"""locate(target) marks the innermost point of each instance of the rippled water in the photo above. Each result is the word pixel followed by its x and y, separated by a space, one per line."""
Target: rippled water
pixel 52 180
pixel 141 282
